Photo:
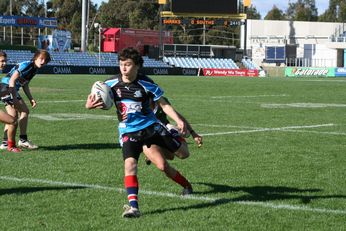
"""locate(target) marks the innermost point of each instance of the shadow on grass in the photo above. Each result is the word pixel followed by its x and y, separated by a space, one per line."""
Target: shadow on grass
pixel 81 146
pixel 24 190
pixel 253 194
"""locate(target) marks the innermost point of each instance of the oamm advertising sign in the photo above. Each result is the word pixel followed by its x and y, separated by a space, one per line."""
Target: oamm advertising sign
pixel 309 72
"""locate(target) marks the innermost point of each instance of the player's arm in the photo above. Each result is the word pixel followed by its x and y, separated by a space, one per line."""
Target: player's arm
pixel 171 112
pixel 27 92
pixel 196 137
pixel 93 102
pixel 12 86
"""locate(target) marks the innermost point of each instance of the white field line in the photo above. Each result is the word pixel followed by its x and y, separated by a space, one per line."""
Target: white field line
pixel 268 129
pixel 301 105
pixel 171 195
pixel 246 96
pixel 71 116
pixel 63 101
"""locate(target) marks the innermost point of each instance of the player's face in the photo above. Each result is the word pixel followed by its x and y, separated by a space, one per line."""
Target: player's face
pixel 128 69
pixel 3 61
pixel 40 61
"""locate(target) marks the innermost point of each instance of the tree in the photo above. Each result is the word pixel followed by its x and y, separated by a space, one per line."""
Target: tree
pixel 336 12
pixel 275 14
pixel 302 10
pixel 129 14
pixel 252 13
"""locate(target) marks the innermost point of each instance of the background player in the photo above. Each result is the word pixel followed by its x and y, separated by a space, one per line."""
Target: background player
pixel 20 76
pixel 4 117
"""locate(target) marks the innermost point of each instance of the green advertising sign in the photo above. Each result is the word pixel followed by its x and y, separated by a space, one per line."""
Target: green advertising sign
pixel 310 72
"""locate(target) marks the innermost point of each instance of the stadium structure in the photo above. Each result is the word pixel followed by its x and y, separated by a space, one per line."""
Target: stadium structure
pixel 265 45
pixel 296 43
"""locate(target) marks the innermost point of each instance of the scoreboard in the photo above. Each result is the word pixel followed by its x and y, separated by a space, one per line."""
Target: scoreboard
pixel 224 22
pixel 205 6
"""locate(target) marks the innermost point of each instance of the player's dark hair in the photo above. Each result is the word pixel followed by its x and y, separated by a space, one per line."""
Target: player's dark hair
pixel 44 53
pixel 3 54
pixel 131 53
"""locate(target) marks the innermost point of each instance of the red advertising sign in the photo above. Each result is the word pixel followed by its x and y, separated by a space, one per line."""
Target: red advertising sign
pixel 230 72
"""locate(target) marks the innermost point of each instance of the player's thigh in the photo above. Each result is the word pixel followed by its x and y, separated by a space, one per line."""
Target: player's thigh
pixel 6 118
pixel 22 107
pixel 155 154
pixel 11 110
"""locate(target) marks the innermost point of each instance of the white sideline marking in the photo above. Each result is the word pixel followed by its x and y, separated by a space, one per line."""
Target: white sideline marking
pixel 71 116
pixel 246 96
pixel 316 132
pixel 301 105
pixel 192 197
pixel 268 129
pixel 63 101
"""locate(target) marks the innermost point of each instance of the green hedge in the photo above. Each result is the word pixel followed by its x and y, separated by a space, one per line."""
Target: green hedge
pixel 17 47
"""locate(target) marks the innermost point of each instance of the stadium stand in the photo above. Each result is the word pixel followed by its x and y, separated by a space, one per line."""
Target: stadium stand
pixel 249 64
pixel 189 62
pixel 79 59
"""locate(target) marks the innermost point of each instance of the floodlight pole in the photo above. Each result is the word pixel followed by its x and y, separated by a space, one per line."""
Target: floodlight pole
pixel 11 25
pixel 160 30
pixel 245 32
pixel 100 28
pixel 83 35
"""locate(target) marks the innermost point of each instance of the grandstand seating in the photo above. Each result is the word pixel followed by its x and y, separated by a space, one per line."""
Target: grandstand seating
pixel 79 59
pixel 111 59
pixel 249 64
pixel 188 62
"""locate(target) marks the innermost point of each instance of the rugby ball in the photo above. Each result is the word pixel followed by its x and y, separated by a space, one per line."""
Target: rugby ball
pixel 103 91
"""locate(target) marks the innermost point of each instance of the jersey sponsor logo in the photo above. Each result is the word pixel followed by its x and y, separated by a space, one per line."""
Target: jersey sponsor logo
pixel 138 94
pixel 118 91
pixel 129 107
pixel 125 139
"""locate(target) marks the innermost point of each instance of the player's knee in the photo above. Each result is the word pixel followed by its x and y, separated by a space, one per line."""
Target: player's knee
pixel 162 166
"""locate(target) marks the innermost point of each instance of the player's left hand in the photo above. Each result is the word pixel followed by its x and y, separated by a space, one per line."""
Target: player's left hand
pixel 93 102
pixel 198 140
pixel 33 103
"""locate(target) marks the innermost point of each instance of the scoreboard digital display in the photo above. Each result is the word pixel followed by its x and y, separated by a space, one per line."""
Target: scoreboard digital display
pixel 205 6
pixel 224 22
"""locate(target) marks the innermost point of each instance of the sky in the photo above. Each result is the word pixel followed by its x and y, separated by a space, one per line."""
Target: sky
pixel 263 6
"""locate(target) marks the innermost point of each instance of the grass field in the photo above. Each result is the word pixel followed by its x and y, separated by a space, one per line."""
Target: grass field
pixel 274 158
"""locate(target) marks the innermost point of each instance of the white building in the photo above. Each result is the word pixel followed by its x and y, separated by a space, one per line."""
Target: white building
pixel 318 44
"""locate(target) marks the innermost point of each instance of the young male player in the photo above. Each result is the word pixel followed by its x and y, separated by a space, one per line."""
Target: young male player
pixel 4 117
pixel 20 76
pixel 141 129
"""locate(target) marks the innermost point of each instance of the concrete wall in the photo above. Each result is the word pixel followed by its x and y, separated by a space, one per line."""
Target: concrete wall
pixel 262 33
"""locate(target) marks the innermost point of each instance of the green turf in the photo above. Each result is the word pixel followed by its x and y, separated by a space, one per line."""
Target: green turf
pixel 261 167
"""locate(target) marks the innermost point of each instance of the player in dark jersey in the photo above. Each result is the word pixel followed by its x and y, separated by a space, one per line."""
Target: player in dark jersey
pixel 4 117
pixel 20 76
pixel 141 129
pixel 161 115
